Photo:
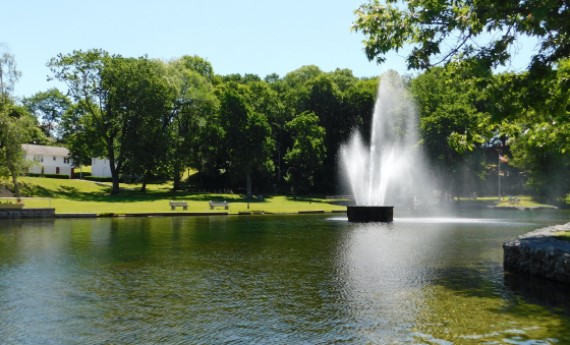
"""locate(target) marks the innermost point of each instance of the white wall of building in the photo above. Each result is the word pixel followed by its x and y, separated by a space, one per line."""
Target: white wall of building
pixel 48 159
pixel 100 167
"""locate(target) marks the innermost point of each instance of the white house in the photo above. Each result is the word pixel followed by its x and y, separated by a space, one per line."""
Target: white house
pixel 48 159
pixel 100 167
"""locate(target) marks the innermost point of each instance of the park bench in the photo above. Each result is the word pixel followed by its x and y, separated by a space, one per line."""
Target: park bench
pixel 174 204
pixel 513 200
pixel 214 204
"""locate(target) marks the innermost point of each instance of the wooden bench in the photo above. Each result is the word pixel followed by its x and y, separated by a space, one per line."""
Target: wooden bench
pixel 174 204
pixel 214 204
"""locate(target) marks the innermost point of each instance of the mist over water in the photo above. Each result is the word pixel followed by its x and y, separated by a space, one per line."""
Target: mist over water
pixel 391 169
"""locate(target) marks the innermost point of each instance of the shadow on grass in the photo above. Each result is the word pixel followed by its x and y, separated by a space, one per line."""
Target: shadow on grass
pixel 128 194
pixel 317 200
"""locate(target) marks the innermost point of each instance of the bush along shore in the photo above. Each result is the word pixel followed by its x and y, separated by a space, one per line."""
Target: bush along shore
pixel 544 252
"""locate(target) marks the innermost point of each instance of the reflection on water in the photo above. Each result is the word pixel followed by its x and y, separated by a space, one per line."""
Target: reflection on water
pixel 272 280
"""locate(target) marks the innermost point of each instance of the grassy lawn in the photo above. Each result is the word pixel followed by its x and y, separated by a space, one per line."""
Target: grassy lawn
pixel 80 196
pixel 523 201
pixel 563 235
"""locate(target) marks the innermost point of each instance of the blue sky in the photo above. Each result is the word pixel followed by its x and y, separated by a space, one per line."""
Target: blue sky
pixel 245 36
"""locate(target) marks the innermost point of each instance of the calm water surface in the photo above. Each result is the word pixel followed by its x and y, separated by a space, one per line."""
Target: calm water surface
pixel 274 280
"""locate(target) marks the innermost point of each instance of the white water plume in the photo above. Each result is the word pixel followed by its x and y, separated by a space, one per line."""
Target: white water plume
pixel 392 169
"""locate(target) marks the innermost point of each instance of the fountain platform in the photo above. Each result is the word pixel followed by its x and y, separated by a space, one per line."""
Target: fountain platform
pixel 365 214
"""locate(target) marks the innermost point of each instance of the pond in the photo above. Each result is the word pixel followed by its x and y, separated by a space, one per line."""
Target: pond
pixel 314 279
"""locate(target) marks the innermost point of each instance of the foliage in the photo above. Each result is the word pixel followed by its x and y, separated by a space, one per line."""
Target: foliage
pixel 157 119
pixel 305 158
pixel 248 141
pixel 192 112
pixel 9 75
pixel 541 137
pixel 16 125
pixel 115 97
pixel 452 127
pixel 49 107
pixel 442 30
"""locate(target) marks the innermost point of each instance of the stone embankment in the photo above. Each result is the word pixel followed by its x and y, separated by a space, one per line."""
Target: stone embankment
pixel 27 213
pixel 539 253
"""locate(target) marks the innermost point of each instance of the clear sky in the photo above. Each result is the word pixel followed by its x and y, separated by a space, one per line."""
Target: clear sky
pixel 245 36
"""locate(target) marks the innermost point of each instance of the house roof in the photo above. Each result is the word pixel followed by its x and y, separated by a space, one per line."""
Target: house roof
pixel 45 150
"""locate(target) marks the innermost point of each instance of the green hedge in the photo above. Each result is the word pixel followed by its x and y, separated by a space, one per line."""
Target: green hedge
pixel 99 179
pixel 59 176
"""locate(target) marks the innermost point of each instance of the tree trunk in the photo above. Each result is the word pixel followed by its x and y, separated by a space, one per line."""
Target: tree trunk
pixel 177 177
pixel 115 189
pixel 144 183
pixel 248 185
pixel 16 187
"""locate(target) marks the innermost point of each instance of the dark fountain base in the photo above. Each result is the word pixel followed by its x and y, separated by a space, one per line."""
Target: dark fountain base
pixel 364 214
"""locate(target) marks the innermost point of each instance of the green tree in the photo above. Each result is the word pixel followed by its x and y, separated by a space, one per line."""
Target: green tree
pixel 48 107
pixel 305 159
pixel 358 104
pixel 113 96
pixel 16 125
pixel 12 135
pixel 442 30
pixel 452 126
pixel 147 96
pixel 79 132
pixel 193 114
pixel 267 101
pixel 249 145
pixel 540 137
pixel 324 98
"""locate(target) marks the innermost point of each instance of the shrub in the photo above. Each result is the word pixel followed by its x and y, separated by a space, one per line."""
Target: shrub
pixel 59 176
pixel 98 179
pixel 84 174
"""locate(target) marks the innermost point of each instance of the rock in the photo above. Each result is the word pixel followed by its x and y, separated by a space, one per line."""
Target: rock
pixel 539 253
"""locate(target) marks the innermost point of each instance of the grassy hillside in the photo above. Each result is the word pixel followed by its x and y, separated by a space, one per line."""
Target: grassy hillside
pixel 80 196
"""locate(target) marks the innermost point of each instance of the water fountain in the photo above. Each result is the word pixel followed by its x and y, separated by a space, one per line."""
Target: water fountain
pixel 391 170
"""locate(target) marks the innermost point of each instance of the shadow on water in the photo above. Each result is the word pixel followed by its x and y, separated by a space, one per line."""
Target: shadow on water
pixel 537 290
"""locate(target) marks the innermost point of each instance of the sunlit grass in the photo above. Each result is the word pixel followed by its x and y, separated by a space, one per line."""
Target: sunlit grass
pixel 80 196
pixel 520 201
pixel 563 235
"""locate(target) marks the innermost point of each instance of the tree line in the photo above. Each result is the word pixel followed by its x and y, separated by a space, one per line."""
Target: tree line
pixel 154 119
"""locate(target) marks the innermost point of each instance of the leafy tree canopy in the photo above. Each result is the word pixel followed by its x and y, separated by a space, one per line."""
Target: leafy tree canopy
pixel 441 30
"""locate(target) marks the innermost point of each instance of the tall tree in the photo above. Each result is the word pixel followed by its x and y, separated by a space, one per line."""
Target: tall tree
pixel 266 101
pixel 307 155
pixel 249 145
pixel 193 111
pixel 147 95
pixel 14 124
pixel 13 132
pixel 112 93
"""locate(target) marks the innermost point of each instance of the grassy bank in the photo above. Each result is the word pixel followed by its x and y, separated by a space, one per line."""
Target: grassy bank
pixel 79 196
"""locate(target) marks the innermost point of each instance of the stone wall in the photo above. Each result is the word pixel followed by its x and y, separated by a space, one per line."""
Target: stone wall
pixel 27 213
pixel 539 253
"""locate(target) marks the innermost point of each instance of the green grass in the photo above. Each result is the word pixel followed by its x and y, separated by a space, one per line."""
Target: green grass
pixel 80 196
pixel 563 235
pixel 524 201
